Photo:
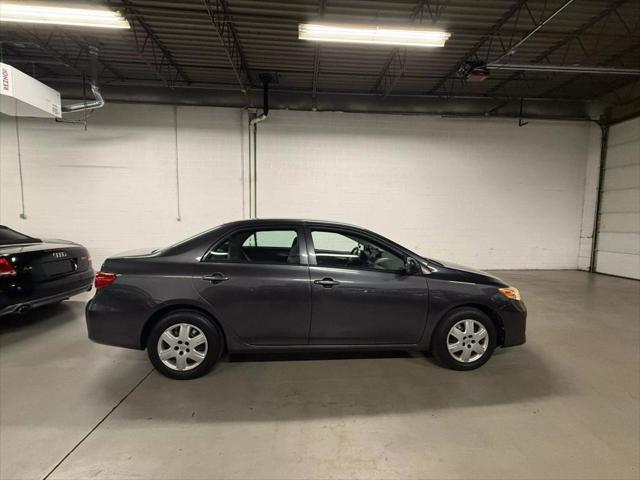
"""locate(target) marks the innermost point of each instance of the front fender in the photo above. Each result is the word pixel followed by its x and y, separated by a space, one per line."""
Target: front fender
pixel 447 295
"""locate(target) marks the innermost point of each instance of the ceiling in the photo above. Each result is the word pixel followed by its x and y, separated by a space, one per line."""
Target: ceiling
pixel 213 52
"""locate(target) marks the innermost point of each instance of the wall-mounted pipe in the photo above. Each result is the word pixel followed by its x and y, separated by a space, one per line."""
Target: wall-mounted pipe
pixel 98 101
pixel 253 151
pixel 82 106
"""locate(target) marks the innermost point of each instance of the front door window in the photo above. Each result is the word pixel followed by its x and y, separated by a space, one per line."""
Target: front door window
pixel 343 250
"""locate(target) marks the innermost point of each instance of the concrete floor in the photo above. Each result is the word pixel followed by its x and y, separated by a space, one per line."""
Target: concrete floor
pixel 565 405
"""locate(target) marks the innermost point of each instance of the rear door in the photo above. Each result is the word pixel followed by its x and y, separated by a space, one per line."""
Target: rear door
pixel 360 292
pixel 257 282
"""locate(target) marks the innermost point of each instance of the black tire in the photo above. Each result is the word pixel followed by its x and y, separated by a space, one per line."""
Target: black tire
pixel 214 346
pixel 441 339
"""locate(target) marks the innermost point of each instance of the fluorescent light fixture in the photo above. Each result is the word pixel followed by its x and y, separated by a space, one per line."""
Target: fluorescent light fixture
pixel 77 17
pixel 372 35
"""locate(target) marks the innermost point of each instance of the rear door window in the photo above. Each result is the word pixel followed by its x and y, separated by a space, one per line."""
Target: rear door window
pixel 258 246
pixel 11 237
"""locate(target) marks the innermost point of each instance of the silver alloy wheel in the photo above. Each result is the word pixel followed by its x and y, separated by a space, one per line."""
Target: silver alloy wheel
pixel 182 347
pixel 467 341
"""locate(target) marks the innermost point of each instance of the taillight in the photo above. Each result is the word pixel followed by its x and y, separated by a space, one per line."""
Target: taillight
pixel 104 279
pixel 6 268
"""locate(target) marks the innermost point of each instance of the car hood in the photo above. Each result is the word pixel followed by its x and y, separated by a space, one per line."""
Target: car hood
pixel 462 273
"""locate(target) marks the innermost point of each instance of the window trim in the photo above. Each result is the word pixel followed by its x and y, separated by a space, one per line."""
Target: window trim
pixel 309 228
pixel 27 240
pixel 302 246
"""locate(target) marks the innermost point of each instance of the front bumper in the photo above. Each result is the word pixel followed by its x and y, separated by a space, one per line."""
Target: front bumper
pixel 514 320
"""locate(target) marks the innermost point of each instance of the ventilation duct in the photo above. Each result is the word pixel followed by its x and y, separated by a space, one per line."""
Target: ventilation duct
pixel 98 101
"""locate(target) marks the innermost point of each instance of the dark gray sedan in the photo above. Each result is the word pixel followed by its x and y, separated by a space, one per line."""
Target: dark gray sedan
pixel 294 285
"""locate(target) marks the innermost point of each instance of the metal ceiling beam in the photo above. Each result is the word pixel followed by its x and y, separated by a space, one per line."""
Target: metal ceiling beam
pixel 340 101
pixel 622 103
pixel 42 44
pixel 64 58
pixel 596 70
pixel 487 37
pixel 610 60
pixel 538 25
pixel 222 22
pixel 147 43
pixel 394 67
pixel 574 35
pixel 232 89
pixel 84 46
pixel 17 59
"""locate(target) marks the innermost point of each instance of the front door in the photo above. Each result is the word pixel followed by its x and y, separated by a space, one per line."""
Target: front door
pixel 361 294
pixel 257 286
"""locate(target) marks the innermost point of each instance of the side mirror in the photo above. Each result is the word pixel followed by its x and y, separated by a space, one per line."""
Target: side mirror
pixel 411 266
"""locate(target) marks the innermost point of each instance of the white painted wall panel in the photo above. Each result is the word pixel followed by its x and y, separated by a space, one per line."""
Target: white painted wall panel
pixel 113 187
pixel 619 222
pixel 622 154
pixel 619 242
pixel 619 201
pixel 620 264
pixel 618 249
pixel 485 193
pixel 624 177
pixel 210 154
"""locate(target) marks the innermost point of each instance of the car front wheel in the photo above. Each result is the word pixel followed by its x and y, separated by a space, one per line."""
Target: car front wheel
pixel 184 344
pixel 464 340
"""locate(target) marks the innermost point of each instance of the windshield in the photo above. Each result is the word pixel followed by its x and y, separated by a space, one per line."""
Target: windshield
pixel 11 237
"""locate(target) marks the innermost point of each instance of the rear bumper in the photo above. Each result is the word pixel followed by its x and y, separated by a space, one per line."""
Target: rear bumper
pixel 514 320
pixel 40 301
pixel 116 328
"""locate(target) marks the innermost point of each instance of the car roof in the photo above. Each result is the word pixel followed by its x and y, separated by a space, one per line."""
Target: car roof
pixel 267 221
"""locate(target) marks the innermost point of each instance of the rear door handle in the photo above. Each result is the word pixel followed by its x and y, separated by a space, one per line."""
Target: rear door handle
pixel 327 282
pixel 216 277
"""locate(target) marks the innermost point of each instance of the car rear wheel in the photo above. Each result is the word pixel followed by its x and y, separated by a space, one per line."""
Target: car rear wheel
pixel 184 344
pixel 464 340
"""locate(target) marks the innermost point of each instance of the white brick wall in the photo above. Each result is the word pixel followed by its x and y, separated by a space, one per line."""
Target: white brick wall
pixel 483 192
pixel 113 187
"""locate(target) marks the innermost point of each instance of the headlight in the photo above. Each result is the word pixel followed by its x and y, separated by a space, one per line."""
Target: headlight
pixel 510 292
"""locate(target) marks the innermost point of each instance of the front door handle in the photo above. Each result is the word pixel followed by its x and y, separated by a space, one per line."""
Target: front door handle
pixel 216 277
pixel 327 282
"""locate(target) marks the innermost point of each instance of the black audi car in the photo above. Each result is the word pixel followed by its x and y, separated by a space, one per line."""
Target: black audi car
pixel 295 285
pixel 36 272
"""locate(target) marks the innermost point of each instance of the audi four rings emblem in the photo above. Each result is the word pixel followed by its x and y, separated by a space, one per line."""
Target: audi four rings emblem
pixel 59 254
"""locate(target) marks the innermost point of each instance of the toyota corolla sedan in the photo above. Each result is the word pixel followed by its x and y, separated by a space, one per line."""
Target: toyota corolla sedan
pixel 296 285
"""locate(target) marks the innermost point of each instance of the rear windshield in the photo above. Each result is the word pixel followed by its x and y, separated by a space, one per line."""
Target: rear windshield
pixel 11 237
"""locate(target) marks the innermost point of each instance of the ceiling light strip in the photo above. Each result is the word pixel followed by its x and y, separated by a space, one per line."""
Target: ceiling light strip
pixel 80 17
pixel 374 35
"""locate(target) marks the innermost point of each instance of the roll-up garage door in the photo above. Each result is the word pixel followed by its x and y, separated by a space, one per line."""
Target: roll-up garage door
pixel 618 244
